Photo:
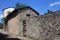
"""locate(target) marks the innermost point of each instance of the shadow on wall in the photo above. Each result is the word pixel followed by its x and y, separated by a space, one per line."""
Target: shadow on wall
pixel 4 37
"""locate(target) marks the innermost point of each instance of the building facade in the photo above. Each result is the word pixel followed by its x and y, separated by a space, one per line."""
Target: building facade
pixel 27 22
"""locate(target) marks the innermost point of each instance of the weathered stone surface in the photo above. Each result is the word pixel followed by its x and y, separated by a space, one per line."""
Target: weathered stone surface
pixel 46 27
pixel 15 25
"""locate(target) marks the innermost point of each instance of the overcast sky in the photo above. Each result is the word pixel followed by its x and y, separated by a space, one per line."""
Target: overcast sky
pixel 40 6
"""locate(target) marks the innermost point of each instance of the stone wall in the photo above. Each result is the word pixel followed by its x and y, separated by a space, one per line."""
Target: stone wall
pixel 45 27
pixel 23 16
pixel 32 27
pixel 50 26
pixel 15 25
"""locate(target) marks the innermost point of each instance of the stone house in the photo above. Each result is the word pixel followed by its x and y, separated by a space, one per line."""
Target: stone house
pixel 22 22
pixel 27 22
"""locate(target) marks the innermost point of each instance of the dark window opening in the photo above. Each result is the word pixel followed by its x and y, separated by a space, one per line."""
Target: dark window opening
pixel 24 28
pixel 27 14
pixel 58 34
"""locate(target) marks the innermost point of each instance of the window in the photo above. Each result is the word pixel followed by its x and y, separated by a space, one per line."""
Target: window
pixel 27 14
pixel 24 28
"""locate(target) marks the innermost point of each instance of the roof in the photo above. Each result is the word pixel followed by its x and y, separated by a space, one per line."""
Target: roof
pixel 17 9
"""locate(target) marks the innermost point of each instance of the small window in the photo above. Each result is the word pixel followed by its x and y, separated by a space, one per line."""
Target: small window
pixel 27 14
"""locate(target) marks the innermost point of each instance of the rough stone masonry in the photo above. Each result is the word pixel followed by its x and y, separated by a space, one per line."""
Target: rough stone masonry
pixel 27 23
